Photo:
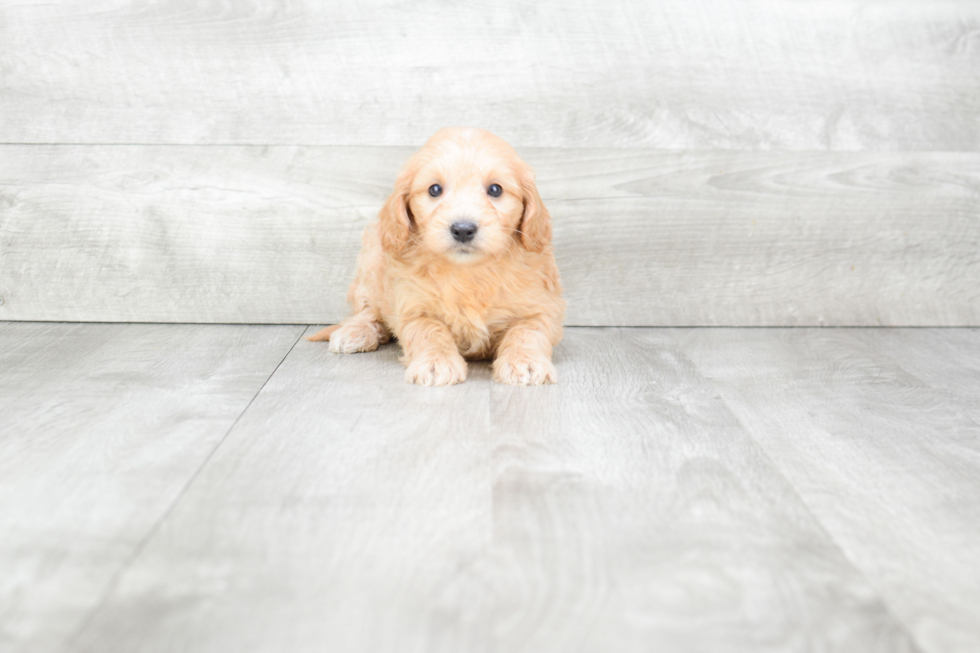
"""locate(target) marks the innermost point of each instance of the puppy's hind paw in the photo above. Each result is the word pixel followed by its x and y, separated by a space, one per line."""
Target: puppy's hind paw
pixel 354 337
pixel 521 369
pixel 438 371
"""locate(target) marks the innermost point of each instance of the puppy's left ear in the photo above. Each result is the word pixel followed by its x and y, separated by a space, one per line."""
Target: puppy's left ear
pixel 536 222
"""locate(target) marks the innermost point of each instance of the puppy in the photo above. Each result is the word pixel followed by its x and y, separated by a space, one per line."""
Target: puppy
pixel 459 265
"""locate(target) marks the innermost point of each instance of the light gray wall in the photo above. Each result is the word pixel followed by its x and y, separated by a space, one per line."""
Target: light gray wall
pixel 707 163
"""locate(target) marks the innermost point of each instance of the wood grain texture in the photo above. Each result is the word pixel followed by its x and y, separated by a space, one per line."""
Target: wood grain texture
pixel 624 509
pixel 760 75
pixel 101 427
pixel 632 512
pixel 165 234
pixel 946 359
pixel 889 464
pixel 646 237
pixel 347 513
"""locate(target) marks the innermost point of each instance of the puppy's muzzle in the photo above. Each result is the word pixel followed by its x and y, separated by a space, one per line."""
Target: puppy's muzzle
pixel 463 232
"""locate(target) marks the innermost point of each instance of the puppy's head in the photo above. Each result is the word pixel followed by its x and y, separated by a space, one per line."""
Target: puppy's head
pixel 465 195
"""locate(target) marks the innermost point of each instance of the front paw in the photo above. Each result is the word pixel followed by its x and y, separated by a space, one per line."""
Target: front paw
pixel 522 368
pixel 448 370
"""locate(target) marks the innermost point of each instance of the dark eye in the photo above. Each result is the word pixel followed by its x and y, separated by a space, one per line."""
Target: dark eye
pixel 435 190
pixel 494 190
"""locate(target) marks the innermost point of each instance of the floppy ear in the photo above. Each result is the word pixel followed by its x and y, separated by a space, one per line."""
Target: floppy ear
pixel 394 220
pixel 536 222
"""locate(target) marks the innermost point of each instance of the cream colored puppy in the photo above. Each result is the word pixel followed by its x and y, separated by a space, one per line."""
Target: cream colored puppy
pixel 459 266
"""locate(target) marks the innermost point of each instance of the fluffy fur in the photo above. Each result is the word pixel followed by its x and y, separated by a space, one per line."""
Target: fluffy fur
pixel 498 296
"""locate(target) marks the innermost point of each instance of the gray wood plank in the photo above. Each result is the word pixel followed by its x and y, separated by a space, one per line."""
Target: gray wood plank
pixel 346 513
pixel 634 513
pixel 772 239
pixel 842 75
pixel 888 464
pixel 623 509
pixel 270 235
pixel 172 234
pixel 946 359
pixel 101 428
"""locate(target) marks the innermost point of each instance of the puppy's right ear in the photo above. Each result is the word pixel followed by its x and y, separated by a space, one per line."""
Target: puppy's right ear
pixel 395 221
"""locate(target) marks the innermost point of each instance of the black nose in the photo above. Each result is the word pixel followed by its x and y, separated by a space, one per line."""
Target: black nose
pixel 463 231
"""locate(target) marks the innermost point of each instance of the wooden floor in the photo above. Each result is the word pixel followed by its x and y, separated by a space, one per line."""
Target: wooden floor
pixel 237 488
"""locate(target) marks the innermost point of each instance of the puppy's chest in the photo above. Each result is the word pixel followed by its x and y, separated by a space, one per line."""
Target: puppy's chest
pixel 475 318
pixel 476 313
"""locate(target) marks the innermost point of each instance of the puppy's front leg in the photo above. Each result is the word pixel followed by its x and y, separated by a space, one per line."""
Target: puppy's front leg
pixel 430 353
pixel 524 355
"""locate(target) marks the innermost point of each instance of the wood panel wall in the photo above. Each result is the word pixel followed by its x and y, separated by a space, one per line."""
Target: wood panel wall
pixel 707 163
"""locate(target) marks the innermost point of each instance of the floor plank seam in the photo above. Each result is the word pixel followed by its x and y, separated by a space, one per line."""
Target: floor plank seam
pixel 900 624
pixel 151 533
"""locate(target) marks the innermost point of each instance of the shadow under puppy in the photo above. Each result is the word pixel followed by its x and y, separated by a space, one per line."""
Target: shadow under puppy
pixel 459 265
